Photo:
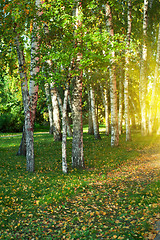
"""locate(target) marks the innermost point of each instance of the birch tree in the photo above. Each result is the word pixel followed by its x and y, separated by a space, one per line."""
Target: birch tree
pixel 120 113
pixel 126 80
pixel 94 115
pixel 27 106
pixel 64 131
pixel 113 88
pixel 106 106
pixel 49 105
pixel 56 114
pixel 77 142
pixel 155 95
pixel 33 86
pixel 90 122
pixel 143 73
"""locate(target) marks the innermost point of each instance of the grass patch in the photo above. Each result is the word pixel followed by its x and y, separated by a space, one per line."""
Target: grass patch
pixel 89 204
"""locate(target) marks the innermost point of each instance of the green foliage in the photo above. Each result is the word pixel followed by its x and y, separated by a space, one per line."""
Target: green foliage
pixel 11 108
pixel 11 122
pixel 116 197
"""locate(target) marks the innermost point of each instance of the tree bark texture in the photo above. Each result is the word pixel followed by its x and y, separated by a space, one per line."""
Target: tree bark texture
pixel 126 79
pixel 94 115
pixel 106 106
pixel 64 132
pixel 77 142
pixel 27 111
pixel 56 115
pixel 90 122
pixel 49 105
pixel 143 74
pixel 155 93
pixel 120 113
pixel 113 88
pixel 69 130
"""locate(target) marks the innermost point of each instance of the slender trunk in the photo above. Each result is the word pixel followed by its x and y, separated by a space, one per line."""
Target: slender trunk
pixel 69 130
pixel 113 88
pixel 49 104
pixel 33 87
pixel 22 147
pixel 90 122
pixel 126 79
pixel 77 142
pixel 94 116
pixel 56 116
pixel 155 95
pixel 106 107
pixel 64 132
pixel 120 115
pixel 27 112
pixel 143 74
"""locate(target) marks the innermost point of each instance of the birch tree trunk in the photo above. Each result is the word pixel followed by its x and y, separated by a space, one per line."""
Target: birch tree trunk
pixel 94 116
pixel 49 105
pixel 155 95
pixel 27 111
pixel 64 132
pixel 106 106
pixel 90 122
pixel 56 115
pixel 69 130
pixel 126 79
pixel 77 142
pixel 33 87
pixel 143 73
pixel 113 88
pixel 120 114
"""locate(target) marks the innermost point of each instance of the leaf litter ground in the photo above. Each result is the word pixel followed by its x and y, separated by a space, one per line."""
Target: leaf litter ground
pixel 121 202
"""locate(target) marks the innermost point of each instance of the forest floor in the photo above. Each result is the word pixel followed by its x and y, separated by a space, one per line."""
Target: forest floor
pixel 117 196
pixel 143 170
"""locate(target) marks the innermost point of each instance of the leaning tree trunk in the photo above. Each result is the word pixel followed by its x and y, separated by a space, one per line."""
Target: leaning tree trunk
pixel 77 142
pixel 126 79
pixel 113 88
pixel 27 112
pixel 143 74
pixel 56 115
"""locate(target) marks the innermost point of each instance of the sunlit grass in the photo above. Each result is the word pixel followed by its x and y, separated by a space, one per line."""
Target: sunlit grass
pixel 49 205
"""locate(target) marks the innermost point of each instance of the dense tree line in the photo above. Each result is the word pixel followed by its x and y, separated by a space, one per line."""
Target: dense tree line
pixel 87 59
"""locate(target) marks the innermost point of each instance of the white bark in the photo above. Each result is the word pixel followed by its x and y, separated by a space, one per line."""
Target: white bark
pixel 56 115
pixel 126 79
pixel 77 142
pixel 69 130
pixel 106 106
pixel 64 132
pixel 49 105
pixel 155 94
pixel 143 74
pixel 120 114
pixel 113 88
pixel 94 116
pixel 90 122
pixel 27 112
